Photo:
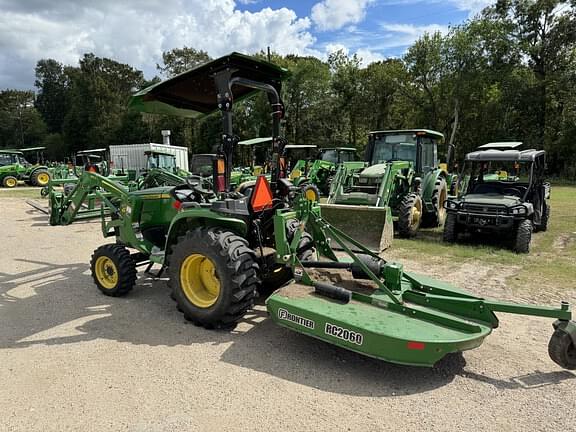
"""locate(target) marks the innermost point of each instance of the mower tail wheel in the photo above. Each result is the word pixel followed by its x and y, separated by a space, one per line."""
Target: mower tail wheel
pixel 213 275
pixel 113 270
pixel 523 237
pixel 410 215
pixel 562 350
pixel 10 181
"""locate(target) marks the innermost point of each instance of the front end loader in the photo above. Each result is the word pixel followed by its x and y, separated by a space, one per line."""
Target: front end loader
pixel 399 187
pixel 221 249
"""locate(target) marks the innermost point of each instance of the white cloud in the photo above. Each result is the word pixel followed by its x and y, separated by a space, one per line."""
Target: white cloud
pixel 400 35
pixel 335 14
pixel 137 31
pixel 367 56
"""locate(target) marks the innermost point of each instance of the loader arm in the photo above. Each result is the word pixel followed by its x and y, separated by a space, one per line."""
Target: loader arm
pixel 79 203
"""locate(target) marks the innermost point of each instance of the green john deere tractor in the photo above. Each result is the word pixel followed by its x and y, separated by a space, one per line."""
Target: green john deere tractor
pixel 400 183
pixel 14 167
pixel 221 248
pixel 318 167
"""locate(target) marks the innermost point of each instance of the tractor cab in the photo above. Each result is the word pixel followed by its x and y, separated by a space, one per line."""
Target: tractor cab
pixel 160 160
pixel 94 160
pixel 337 155
pixel 503 189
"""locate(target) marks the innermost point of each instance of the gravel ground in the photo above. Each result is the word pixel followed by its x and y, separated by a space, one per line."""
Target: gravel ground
pixel 72 359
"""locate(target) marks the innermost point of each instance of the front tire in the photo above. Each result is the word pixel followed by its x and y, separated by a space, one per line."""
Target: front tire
pixel 213 274
pixel 10 182
pixel 523 237
pixel 450 234
pixel 113 270
pixel 311 192
pixel 410 215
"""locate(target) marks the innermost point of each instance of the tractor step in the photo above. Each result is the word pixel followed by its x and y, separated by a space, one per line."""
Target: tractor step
pixel 373 329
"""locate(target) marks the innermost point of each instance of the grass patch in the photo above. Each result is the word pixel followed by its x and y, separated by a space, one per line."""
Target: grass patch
pixel 20 193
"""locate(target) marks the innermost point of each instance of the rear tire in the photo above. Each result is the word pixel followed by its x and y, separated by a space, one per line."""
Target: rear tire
pixel 523 237
pixel 40 178
pixel 410 215
pixel 450 234
pixel 562 350
pixel 10 182
pixel 113 270
pixel 544 219
pixel 438 216
pixel 213 274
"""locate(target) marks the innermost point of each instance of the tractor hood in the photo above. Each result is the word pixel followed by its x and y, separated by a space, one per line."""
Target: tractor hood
pixel 492 199
pixel 374 171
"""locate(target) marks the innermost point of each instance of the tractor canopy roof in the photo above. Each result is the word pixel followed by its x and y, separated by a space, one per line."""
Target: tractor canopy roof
pixel 511 145
pixel 300 146
pixel 9 151
pixel 255 141
pixel 505 155
pixel 157 152
pixel 194 93
pixel 29 149
pixel 345 149
pixel 427 132
pixel 90 151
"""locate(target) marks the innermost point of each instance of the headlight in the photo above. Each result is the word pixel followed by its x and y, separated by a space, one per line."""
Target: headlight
pixel 520 210
pixel 451 205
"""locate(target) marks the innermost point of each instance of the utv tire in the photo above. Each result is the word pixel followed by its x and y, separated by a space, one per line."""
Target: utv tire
pixel 544 219
pixel 450 234
pixel 523 237
pixel 328 185
pixel 438 216
pixel 213 274
pixel 40 178
pixel 281 274
pixel 113 270
pixel 562 350
pixel 410 215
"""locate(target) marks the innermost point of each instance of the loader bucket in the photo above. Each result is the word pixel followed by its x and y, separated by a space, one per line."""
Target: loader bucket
pixel 371 226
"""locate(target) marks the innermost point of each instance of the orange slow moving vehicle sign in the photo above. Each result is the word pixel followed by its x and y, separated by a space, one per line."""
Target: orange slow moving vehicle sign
pixel 262 195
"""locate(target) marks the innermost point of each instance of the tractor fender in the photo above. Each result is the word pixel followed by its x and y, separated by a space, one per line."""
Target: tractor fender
pixel 187 220
pixel 37 168
pixel 429 183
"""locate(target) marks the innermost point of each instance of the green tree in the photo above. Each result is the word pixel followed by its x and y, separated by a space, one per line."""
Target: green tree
pixel 179 60
pixel 21 124
pixel 51 100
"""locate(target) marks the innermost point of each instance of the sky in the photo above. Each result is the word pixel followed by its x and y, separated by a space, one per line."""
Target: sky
pixel 136 32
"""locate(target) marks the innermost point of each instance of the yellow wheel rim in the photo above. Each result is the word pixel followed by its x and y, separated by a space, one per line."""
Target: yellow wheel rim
pixel 199 281
pixel 310 195
pixel 106 272
pixel 43 179
pixel 441 209
pixel 416 214
pixel 11 183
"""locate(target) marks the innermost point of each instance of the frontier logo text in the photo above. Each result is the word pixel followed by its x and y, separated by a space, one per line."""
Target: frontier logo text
pixel 283 314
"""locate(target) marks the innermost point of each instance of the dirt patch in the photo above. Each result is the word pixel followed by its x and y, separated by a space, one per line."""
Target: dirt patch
pixel 562 241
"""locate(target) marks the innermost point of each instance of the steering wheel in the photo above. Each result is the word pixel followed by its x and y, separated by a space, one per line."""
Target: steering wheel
pixel 512 191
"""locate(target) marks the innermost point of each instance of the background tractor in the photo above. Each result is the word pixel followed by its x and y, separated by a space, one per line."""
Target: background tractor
pixel 400 182
pixel 221 248
pixel 318 167
pixel 14 167
pixel 503 193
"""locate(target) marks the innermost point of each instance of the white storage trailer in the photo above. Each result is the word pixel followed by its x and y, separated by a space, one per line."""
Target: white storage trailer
pixel 132 157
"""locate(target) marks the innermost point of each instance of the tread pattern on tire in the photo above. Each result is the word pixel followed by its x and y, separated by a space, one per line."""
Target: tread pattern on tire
pixel 561 350
pixel 405 215
pixel 5 181
pixel 125 266
pixel 431 220
pixel 523 237
pixel 450 234
pixel 237 272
